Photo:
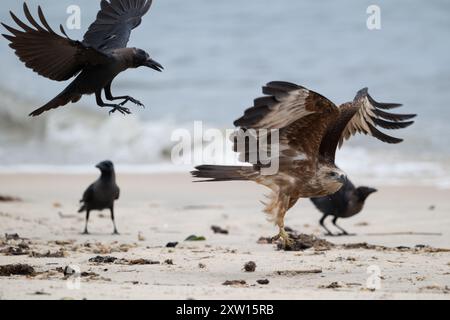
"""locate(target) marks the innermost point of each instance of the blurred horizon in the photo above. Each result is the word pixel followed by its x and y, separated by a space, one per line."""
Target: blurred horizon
pixel 217 55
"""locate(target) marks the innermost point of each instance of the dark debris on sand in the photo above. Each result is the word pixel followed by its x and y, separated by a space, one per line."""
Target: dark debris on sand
pixel 103 259
pixel 333 285
pixel 11 246
pixel 17 269
pixel 234 283
pixel 290 273
pixel 15 250
pixel 41 293
pixel 301 242
pixel 4 198
pixel 109 259
pixel 420 248
pixel 220 230
pixel 250 266
pixel 137 262
pixel 171 244
pixel 263 281
pixel 48 254
pixel 12 236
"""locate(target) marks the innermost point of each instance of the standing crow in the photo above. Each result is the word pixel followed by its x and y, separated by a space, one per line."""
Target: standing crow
pixel 102 193
pixel 345 203
pixel 96 60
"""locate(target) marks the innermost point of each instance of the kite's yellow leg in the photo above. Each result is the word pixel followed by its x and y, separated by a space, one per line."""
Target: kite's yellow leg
pixel 283 235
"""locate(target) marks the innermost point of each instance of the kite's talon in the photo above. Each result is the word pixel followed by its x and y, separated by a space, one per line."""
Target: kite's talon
pixel 285 238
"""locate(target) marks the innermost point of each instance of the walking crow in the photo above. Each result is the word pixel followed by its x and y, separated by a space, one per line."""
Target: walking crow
pixel 95 61
pixel 101 194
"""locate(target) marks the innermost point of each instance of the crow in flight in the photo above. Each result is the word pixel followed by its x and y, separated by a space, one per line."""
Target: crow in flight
pixel 95 61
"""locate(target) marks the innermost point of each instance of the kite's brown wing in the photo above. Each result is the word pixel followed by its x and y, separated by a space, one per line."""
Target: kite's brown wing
pixel 47 53
pixel 301 116
pixel 112 28
pixel 363 115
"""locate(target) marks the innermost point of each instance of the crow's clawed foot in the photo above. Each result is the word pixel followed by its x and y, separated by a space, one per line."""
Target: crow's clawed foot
pixel 85 232
pixel 121 109
pixel 131 99
pixel 116 233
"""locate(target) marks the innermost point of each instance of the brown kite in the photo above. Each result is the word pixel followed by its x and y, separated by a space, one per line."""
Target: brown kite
pixel 310 128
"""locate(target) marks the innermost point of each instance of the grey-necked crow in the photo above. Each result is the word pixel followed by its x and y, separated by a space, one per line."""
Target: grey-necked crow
pixel 345 203
pixel 101 194
pixel 96 60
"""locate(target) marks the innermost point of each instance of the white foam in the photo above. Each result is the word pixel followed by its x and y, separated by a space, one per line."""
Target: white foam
pixel 72 140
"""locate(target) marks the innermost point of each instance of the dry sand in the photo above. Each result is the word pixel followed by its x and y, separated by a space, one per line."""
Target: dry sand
pixel 157 209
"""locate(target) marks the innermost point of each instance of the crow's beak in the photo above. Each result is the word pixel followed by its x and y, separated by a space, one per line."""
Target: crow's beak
pixel 101 166
pixel 372 190
pixel 154 65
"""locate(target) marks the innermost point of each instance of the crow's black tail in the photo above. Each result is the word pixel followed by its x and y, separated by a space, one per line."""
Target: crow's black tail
pixel 83 208
pixel 223 173
pixel 60 100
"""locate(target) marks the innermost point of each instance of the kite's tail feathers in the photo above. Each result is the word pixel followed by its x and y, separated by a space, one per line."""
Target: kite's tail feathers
pixel 60 100
pixel 223 173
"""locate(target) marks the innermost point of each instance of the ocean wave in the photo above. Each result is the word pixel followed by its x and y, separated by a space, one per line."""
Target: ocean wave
pixel 74 139
pixel 77 135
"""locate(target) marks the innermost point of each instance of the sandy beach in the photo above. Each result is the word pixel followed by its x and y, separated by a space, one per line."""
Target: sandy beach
pixel 407 226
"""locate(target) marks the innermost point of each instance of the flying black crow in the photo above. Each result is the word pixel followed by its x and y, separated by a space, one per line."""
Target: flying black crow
pixel 101 194
pixel 96 60
pixel 345 203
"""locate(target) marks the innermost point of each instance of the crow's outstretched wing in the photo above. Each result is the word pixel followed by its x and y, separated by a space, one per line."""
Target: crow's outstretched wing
pixel 112 28
pixel 49 54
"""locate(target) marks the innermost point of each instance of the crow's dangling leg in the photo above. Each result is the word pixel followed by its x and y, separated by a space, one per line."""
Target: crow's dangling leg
pixel 115 107
pixel 344 233
pixel 321 221
pixel 110 97
pixel 112 218
pixel 86 224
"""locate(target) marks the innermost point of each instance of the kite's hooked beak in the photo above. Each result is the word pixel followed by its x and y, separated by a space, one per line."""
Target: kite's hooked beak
pixel 154 65
pixel 343 178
